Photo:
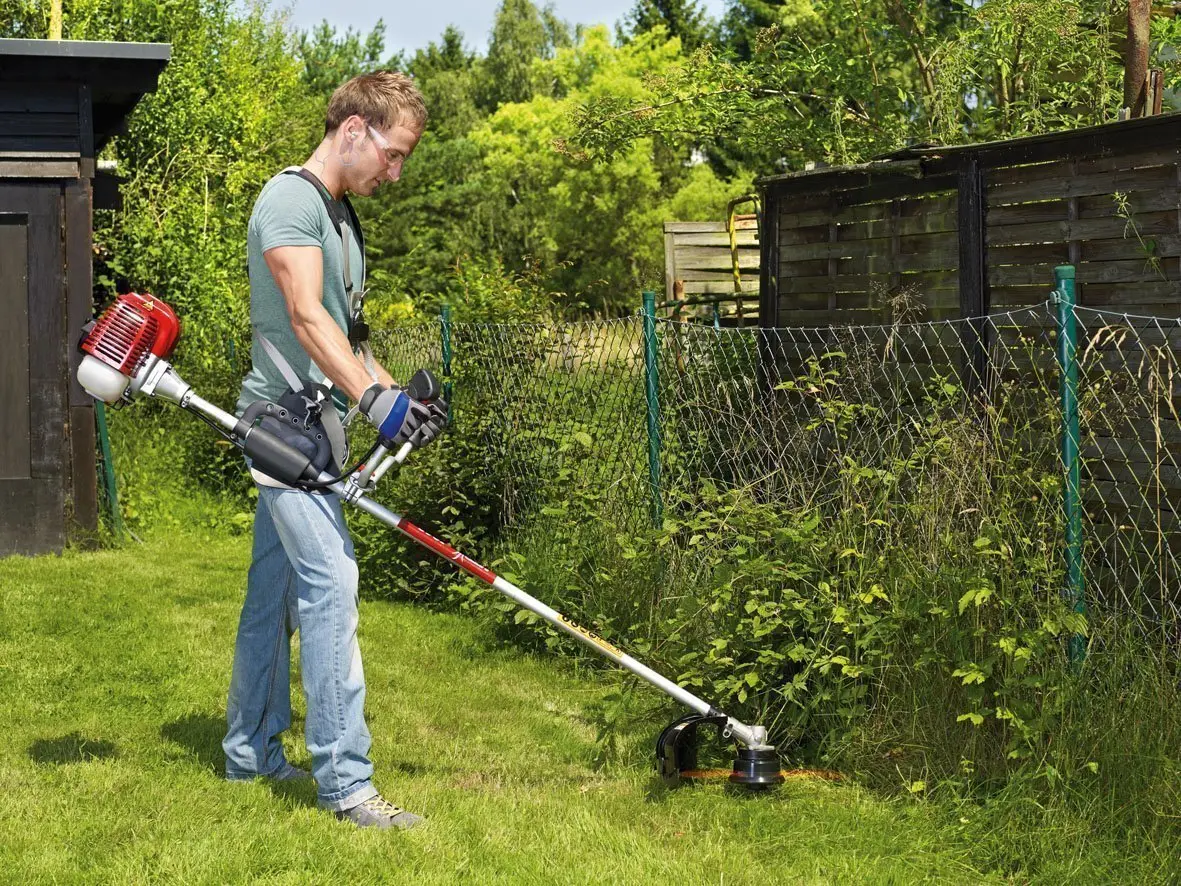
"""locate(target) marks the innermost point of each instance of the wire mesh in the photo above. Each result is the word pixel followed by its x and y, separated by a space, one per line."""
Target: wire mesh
pixel 1131 479
pixel 934 430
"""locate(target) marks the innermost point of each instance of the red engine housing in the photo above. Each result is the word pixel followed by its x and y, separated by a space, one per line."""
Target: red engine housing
pixel 131 328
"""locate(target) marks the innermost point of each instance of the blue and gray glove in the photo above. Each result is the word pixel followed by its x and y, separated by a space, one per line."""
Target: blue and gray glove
pixel 398 417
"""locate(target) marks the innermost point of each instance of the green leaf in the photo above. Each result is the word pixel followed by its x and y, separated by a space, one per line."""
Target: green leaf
pixel 975 719
pixel 584 438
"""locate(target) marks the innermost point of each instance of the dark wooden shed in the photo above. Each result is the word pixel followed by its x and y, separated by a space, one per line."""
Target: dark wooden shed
pixel 976 228
pixel 60 103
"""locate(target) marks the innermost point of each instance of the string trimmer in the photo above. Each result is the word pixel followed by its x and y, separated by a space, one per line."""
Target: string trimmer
pixel 126 356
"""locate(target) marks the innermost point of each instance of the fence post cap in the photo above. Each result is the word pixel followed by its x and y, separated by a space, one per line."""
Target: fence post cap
pixel 1064 272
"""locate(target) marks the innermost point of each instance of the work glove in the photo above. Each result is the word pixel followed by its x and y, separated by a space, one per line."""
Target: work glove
pixel 398 417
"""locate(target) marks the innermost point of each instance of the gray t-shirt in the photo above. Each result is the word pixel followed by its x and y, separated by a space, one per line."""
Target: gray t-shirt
pixel 290 212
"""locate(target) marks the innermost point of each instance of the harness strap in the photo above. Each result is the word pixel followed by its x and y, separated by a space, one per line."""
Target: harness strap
pixel 289 374
pixel 344 218
pixel 346 227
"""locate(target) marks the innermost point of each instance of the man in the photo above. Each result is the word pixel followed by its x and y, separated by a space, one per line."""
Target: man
pixel 303 303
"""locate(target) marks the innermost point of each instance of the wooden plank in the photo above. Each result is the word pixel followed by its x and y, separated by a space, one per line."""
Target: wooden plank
pixel 670 265
pixel 706 227
pixel 692 275
pixel 31 517
pixel 26 145
pixel 695 287
pixel 47 333
pixel 1027 213
pixel 1162 246
pixel 34 98
pixel 768 283
pixel 1135 271
pixel 705 258
pixel 1121 428
pixel 1140 295
pixel 83 468
pixel 1140 477
pixel 1149 224
pixel 1058 169
pixel 1145 179
pixel 1134 450
pixel 79 278
pixel 40 155
pixel 826 317
pixel 39 124
pixel 945 257
pixel 15 455
pixel 1038 253
pixel 816 267
pixel 973 274
pixel 1132 202
pixel 912 209
pixel 795 236
pixel 912 245
pixel 867 282
pixel 746 239
pixel 933 223
pixel 38 169
pixel 85 122
pixel 48 434
pixel 1125 494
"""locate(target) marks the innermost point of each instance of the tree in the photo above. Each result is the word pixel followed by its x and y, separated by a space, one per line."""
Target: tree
pixel 447 73
pixel 518 38
pixel 329 60
pixel 846 80
pixel 683 19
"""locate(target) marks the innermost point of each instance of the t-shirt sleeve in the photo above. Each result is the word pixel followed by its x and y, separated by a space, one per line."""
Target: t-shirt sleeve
pixel 289 215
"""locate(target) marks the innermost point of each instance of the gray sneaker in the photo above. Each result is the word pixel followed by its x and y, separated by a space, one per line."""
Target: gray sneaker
pixel 377 812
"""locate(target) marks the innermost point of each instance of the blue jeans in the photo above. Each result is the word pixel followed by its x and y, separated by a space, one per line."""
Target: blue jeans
pixel 304 575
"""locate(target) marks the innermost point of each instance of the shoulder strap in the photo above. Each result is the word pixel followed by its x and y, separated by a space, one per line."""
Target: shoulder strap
pixel 345 219
pixel 289 374
pixel 354 221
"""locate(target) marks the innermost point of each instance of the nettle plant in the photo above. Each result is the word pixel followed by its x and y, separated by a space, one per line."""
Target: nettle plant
pixel 909 597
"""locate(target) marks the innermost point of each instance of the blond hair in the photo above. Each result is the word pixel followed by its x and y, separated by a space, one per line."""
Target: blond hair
pixel 383 98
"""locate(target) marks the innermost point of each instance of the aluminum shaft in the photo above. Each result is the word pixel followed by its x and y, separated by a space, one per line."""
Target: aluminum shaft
pixel 751 736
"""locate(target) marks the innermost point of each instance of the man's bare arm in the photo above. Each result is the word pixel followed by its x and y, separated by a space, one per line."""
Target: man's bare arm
pixel 299 274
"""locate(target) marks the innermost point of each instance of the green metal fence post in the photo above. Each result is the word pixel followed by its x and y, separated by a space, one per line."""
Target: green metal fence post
pixel 445 323
pixel 1072 503
pixel 652 389
pixel 110 488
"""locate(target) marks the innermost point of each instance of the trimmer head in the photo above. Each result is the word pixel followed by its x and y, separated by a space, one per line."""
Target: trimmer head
pixel 676 756
pixel 757 769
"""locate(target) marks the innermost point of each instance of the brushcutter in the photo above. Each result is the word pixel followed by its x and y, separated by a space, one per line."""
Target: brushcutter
pixel 126 357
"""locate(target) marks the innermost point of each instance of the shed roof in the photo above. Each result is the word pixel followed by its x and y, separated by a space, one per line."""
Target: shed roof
pixel 118 74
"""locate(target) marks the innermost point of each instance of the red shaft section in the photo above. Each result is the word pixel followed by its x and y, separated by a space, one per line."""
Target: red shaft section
pixel 467 564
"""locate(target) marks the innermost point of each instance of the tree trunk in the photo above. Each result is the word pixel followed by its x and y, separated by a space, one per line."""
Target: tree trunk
pixel 1136 57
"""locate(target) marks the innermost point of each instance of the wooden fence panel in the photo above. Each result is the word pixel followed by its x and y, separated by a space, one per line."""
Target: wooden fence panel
pixel 698 262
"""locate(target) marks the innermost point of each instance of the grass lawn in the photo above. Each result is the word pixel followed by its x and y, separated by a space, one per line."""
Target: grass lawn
pixel 113 670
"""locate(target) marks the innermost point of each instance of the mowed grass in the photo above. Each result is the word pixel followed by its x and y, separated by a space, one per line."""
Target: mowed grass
pixel 113 670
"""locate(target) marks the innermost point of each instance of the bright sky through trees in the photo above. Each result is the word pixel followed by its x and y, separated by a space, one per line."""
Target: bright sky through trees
pixel 410 25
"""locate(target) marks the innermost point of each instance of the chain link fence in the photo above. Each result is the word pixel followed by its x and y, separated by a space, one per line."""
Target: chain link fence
pixel 915 435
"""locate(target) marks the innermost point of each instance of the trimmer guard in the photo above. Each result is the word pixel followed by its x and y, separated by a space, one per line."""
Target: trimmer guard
pixel 676 748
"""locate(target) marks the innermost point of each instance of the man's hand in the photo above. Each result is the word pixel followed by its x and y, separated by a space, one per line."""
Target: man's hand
pixel 398 417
